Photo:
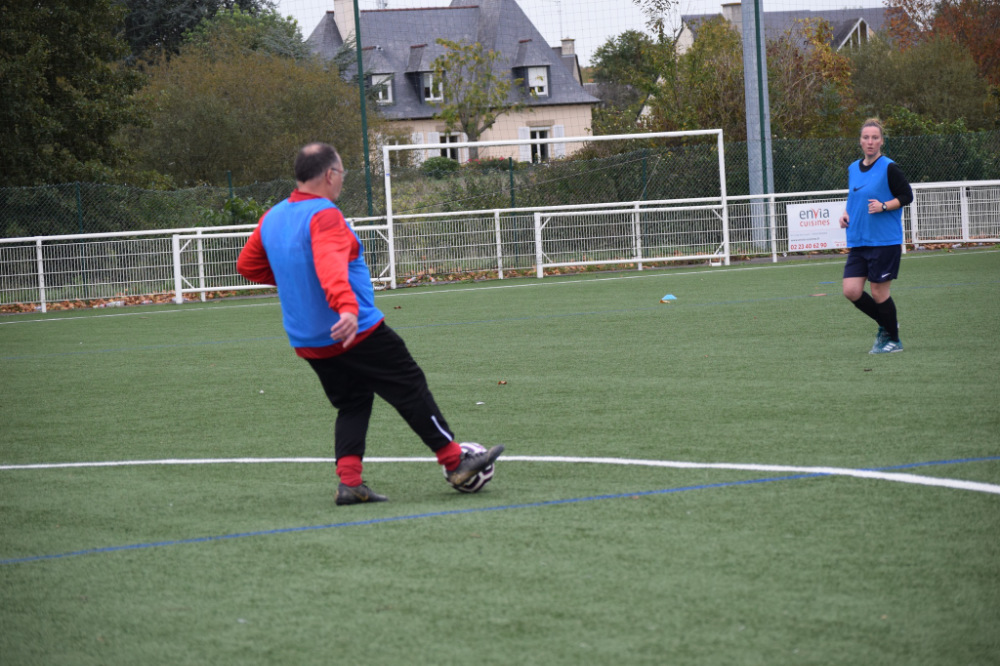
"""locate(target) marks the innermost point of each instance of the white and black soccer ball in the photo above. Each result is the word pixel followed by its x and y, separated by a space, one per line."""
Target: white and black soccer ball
pixel 476 483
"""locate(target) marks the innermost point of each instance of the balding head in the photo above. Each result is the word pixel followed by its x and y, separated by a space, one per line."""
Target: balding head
pixel 313 160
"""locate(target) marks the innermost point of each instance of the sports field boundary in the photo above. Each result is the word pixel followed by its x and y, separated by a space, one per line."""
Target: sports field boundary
pixel 877 474
pixel 797 472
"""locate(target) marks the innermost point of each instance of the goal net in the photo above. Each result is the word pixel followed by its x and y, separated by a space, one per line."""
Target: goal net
pixel 552 202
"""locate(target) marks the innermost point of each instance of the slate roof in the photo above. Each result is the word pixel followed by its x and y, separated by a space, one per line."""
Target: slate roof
pixel 570 61
pixel 842 20
pixel 402 42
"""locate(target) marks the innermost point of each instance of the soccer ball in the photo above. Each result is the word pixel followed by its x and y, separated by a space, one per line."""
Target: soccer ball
pixel 476 483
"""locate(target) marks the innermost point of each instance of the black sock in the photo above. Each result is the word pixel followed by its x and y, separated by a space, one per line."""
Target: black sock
pixel 887 318
pixel 868 305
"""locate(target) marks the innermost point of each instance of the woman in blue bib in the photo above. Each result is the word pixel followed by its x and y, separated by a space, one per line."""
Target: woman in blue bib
pixel 877 192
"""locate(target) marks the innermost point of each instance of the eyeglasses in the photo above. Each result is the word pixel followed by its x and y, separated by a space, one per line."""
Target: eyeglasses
pixel 342 172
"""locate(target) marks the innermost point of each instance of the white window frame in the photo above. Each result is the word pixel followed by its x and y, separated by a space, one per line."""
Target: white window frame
pixel 537 79
pixel 382 86
pixel 539 151
pixel 529 152
pixel 859 35
pixel 452 153
pixel 431 90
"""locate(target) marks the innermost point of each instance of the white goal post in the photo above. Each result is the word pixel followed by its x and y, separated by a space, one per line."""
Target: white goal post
pixel 653 219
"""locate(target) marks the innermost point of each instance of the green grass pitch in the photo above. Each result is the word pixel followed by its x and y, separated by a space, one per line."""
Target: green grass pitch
pixel 559 560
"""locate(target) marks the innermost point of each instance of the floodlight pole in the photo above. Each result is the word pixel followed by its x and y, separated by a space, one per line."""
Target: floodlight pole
pixel 758 113
pixel 364 106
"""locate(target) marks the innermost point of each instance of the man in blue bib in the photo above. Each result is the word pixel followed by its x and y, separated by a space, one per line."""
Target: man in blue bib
pixel 306 248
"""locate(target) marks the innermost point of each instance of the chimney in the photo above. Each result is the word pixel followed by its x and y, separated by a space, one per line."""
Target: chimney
pixel 567 47
pixel 733 12
pixel 343 14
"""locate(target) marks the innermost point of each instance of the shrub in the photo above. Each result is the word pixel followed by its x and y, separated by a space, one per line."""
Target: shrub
pixel 489 164
pixel 235 211
pixel 439 167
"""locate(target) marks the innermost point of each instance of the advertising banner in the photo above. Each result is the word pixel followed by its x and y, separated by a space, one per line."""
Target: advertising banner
pixel 815 226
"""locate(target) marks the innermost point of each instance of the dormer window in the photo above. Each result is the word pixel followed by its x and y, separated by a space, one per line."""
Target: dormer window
pixel 537 80
pixel 382 88
pixel 859 35
pixel 431 86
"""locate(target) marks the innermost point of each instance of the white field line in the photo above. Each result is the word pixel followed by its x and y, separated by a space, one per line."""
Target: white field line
pixel 915 479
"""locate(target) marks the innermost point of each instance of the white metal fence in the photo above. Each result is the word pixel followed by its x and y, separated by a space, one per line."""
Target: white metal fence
pixel 110 269
pixel 637 235
pixel 205 262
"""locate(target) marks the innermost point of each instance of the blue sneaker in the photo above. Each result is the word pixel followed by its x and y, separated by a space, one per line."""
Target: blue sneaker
pixel 889 347
pixel 880 339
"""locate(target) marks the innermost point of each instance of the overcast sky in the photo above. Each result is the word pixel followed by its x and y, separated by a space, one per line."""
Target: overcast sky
pixel 589 22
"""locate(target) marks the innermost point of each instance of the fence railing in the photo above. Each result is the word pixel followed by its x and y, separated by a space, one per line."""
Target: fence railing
pixel 109 269
pixel 205 262
pixel 637 235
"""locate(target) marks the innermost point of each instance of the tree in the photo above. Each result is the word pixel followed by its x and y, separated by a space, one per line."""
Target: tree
pixel 244 110
pixel 948 87
pixel 909 21
pixel 809 83
pixel 626 68
pixel 976 25
pixel 159 26
pixel 236 30
pixel 63 91
pixel 703 88
pixel 629 58
pixel 658 13
pixel 474 95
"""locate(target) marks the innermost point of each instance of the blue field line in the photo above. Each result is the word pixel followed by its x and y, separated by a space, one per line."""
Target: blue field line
pixel 454 512
pixel 396 519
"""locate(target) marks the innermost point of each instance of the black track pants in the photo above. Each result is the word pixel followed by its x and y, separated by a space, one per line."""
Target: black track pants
pixel 379 365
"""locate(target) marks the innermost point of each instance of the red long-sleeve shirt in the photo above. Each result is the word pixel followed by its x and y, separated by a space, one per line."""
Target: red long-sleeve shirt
pixel 334 246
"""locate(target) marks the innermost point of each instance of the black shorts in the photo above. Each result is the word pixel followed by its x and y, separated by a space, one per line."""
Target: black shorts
pixel 876 264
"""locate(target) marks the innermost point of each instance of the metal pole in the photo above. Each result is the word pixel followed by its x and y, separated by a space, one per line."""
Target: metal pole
pixel 83 256
pixel 390 231
pixel 759 161
pixel 510 169
pixel 645 176
pixel 175 246
pixel 39 258
pixel 496 226
pixel 762 103
pixel 364 108
pixel 201 265
pixel 79 207
pixel 722 197
pixel 637 236
pixel 539 271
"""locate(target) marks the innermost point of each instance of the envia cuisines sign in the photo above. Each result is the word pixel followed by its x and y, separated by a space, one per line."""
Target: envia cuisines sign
pixel 815 226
